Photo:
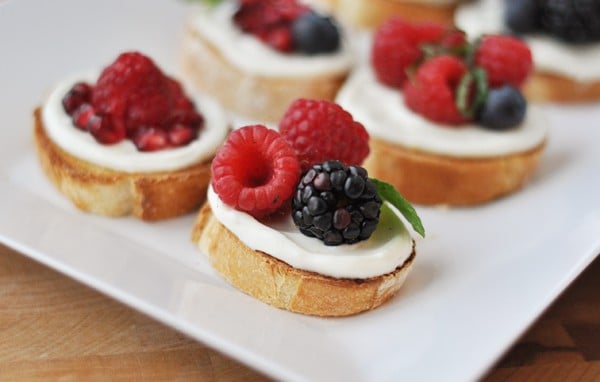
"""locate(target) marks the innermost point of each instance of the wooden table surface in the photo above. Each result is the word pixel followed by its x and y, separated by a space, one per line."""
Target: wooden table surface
pixel 54 328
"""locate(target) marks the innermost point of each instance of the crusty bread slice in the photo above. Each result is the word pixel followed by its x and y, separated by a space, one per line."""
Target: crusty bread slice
pixel 431 179
pixel 547 87
pixel 265 98
pixel 148 196
pixel 371 13
pixel 279 284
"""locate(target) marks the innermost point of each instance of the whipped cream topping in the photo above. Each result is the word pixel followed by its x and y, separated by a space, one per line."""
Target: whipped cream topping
pixel 382 111
pixel 251 55
pixel 389 246
pixel 124 156
pixel 579 62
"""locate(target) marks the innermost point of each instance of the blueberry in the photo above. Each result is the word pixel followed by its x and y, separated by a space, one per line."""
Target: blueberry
pixel 313 34
pixel 522 16
pixel 504 108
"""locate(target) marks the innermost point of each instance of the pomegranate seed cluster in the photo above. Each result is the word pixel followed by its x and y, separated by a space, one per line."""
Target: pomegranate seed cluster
pixel 133 99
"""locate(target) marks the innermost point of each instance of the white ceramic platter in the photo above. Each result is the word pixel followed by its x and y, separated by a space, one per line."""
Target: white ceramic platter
pixel 481 277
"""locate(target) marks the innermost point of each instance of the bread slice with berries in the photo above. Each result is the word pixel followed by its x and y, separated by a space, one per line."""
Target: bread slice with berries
pixel 371 13
pixel 277 283
pixel 339 250
pixel 102 191
pixel 249 71
pixel 453 133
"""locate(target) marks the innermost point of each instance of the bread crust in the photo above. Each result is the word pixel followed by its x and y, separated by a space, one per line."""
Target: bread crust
pixel 95 189
pixel 371 13
pixel 548 87
pixel 430 179
pixel 279 284
pixel 265 98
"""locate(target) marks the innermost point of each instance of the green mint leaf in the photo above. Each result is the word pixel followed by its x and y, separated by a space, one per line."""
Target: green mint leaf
pixel 388 193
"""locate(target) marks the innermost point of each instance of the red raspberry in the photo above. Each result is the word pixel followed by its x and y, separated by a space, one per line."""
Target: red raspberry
pixel 432 92
pixel 397 46
pixel 506 60
pixel 255 171
pixel 322 130
pixel 270 21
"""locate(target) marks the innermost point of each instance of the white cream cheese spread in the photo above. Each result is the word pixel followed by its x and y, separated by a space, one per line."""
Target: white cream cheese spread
pixel 124 156
pixel 251 55
pixel 578 62
pixel 389 246
pixel 382 111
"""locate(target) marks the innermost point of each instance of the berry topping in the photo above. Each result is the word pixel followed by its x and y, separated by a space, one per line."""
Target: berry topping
pixel 80 93
pixel 134 99
pixel 522 16
pixel 336 204
pixel 575 21
pixel 270 21
pixel 313 34
pixel 82 115
pixel 255 171
pixel 322 130
pixel 504 108
pixel 105 129
pixel 397 45
pixel 432 91
pixel 506 60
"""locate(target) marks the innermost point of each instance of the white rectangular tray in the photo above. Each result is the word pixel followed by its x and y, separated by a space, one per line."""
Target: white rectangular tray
pixel 481 277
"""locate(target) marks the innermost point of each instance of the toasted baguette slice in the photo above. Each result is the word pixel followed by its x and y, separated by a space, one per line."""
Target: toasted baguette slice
pixel 547 87
pixel 279 284
pixel 264 98
pixel 148 196
pixel 371 13
pixel 430 179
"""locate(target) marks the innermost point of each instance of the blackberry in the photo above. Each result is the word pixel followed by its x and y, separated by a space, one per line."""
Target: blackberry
pixel 522 16
pixel 576 21
pixel 336 204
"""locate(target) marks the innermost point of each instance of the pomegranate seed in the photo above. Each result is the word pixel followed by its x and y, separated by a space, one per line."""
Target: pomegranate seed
pixel 151 139
pixel 82 114
pixel 180 134
pixel 187 117
pixel 104 129
pixel 79 94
